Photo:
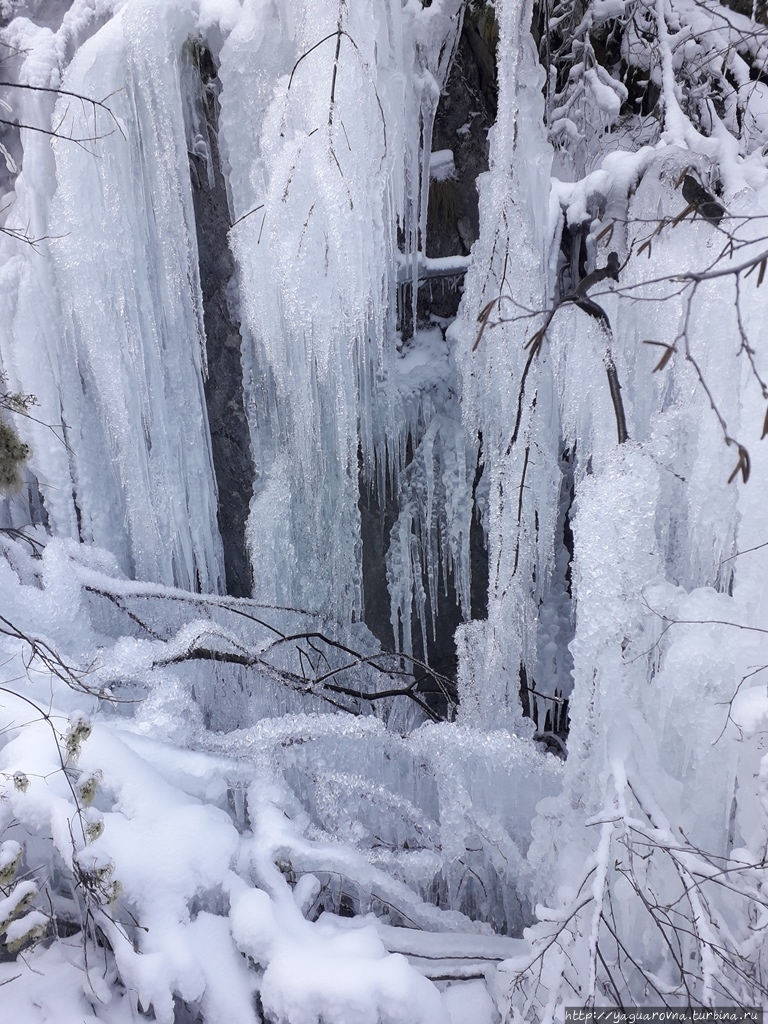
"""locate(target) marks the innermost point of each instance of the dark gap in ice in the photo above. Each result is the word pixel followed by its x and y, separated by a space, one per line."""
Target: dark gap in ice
pixel 466 111
pixel 233 464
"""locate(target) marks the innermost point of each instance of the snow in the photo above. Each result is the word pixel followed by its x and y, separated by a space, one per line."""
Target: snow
pixel 210 874
pixel 327 972
pixel 607 97
pixel 470 1004
pixel 441 165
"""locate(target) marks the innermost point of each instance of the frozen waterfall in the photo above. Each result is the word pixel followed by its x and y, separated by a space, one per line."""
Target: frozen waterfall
pixel 311 399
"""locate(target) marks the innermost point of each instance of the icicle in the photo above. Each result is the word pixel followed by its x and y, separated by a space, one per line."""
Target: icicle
pixel 519 425
pixel 125 341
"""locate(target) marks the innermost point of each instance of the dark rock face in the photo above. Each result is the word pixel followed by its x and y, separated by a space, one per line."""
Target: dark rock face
pixel 466 112
pixel 377 517
pixel 232 460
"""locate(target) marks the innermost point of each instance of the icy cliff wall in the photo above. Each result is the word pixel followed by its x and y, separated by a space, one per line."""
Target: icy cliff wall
pixel 326 117
pixel 650 486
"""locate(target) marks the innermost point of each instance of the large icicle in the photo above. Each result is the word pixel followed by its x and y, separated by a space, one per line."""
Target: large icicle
pixel 313 278
pixel 118 310
pixel 318 184
pixel 520 434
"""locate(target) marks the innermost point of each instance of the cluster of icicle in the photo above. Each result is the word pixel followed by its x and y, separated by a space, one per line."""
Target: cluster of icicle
pixel 650 866
pixel 325 129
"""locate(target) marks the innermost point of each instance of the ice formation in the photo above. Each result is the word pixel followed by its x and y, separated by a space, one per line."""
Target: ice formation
pixel 243 809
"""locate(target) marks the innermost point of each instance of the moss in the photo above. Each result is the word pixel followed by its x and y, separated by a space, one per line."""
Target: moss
pixel 13 456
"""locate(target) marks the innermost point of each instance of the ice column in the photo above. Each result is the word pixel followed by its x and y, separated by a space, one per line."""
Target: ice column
pixel 519 432
pixel 121 312
pixel 319 125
